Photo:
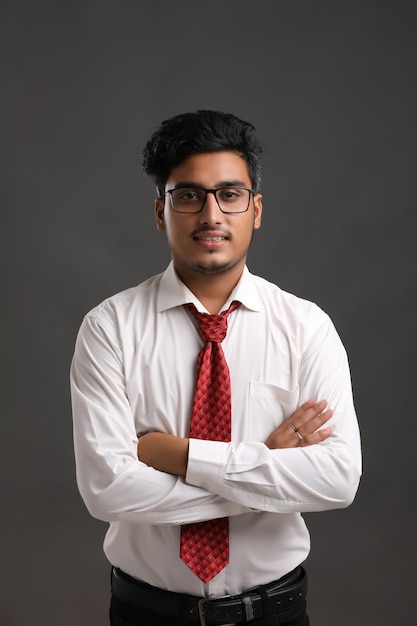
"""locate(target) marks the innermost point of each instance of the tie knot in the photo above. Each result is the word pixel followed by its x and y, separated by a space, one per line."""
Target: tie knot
pixel 212 327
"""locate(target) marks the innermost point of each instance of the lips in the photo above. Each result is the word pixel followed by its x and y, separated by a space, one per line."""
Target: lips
pixel 213 236
pixel 202 238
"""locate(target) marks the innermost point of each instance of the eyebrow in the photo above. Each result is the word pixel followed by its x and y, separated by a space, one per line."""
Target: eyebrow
pixel 219 185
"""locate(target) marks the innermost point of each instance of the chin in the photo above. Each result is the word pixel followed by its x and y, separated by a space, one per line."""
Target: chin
pixel 212 268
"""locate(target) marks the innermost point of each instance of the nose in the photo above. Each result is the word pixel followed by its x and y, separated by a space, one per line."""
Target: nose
pixel 211 213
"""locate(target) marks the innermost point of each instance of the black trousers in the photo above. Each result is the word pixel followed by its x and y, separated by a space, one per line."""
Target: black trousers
pixel 124 614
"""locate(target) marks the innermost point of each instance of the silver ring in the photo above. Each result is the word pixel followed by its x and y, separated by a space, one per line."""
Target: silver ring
pixel 296 431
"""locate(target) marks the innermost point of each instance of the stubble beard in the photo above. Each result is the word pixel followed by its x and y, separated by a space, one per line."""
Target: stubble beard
pixel 205 269
pixel 217 268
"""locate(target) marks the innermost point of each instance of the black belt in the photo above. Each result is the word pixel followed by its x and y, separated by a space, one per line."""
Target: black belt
pixel 252 604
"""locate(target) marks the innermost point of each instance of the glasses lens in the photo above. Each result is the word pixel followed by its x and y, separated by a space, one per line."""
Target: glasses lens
pixel 188 200
pixel 191 199
pixel 233 199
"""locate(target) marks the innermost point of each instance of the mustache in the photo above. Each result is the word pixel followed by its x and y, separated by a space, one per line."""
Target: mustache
pixel 209 229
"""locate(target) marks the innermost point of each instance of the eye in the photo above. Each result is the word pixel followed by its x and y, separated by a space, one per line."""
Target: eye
pixel 230 194
pixel 188 195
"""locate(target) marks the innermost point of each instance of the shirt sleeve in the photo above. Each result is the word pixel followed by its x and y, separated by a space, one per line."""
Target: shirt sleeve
pixel 312 478
pixel 113 483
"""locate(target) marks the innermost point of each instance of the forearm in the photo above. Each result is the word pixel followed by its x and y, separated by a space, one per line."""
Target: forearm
pixel 316 478
pixel 114 484
pixel 313 473
pixel 140 494
pixel 312 478
pixel 166 453
pixel 283 480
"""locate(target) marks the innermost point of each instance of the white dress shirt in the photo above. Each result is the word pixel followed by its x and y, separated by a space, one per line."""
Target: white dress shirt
pixel 134 371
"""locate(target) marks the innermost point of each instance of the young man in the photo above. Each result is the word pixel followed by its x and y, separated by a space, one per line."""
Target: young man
pixel 201 450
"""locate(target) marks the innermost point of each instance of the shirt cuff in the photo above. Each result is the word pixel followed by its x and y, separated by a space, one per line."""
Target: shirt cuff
pixel 206 463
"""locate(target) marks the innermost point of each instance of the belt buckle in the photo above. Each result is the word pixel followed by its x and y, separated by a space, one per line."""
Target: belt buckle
pixel 200 605
pixel 247 605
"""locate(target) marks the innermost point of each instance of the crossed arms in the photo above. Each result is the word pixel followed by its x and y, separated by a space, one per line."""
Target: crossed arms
pixel 165 479
pixel 169 453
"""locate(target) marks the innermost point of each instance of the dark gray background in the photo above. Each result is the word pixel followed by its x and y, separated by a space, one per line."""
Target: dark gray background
pixel 331 88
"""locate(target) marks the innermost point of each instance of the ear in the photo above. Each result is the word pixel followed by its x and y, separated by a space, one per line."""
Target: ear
pixel 257 203
pixel 159 214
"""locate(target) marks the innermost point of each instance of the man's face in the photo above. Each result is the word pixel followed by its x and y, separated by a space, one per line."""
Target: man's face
pixel 209 242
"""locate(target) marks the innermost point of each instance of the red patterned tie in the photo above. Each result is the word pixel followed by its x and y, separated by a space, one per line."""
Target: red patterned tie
pixel 205 545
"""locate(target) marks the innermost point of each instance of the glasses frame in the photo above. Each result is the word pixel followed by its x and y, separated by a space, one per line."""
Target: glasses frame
pixel 252 192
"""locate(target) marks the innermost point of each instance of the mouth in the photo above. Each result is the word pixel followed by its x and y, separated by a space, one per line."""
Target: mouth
pixel 210 239
pixel 210 235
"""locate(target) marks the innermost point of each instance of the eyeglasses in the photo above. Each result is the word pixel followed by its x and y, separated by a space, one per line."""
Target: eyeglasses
pixel 193 199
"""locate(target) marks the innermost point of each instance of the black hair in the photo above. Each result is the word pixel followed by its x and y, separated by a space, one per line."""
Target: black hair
pixel 196 133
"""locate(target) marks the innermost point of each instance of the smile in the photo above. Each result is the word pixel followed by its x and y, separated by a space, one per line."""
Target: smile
pixel 211 238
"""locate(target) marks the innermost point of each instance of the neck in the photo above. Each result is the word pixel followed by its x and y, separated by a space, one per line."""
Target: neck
pixel 212 290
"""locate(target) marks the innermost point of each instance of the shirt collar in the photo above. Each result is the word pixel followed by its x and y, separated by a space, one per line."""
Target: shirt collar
pixel 173 292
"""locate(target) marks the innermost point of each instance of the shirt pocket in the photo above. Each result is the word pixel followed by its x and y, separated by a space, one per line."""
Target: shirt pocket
pixel 269 406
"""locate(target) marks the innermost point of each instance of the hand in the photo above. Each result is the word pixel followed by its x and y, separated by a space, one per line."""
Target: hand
pixel 302 428
pixel 166 453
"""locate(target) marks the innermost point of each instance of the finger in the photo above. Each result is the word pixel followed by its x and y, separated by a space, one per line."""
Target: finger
pixel 315 422
pixel 307 405
pixel 307 411
pixel 315 438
